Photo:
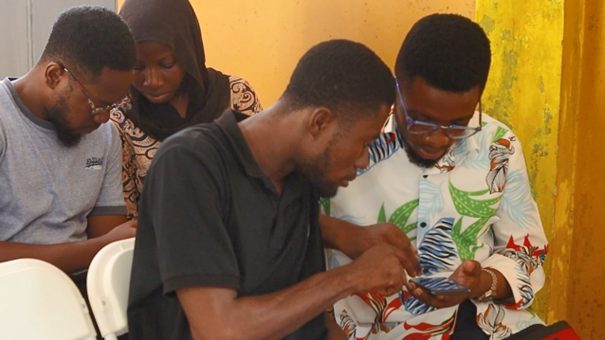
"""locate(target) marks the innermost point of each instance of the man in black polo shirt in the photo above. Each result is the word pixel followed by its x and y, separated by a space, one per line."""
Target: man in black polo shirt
pixel 228 244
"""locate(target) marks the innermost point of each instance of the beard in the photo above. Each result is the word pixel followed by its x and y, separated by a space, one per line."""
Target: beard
pixel 313 170
pixel 56 115
pixel 415 157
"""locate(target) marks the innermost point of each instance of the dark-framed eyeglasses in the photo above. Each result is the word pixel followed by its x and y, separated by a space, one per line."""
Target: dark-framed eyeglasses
pixel 420 127
pixel 94 109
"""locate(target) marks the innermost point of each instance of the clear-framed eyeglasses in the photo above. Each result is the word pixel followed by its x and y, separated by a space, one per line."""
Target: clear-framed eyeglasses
pixel 420 127
pixel 94 109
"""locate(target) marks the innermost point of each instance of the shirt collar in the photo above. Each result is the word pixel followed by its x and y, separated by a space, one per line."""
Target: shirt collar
pixel 228 123
pixel 24 109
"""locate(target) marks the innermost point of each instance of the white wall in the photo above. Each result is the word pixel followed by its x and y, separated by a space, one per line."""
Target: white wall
pixel 24 29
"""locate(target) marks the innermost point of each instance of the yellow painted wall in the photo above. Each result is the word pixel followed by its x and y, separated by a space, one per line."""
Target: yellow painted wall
pixel 261 40
pixel 523 91
pixel 582 126
pixel 546 82
pixel 546 90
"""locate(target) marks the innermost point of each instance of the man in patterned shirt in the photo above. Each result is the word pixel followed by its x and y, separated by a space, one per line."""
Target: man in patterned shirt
pixel 454 181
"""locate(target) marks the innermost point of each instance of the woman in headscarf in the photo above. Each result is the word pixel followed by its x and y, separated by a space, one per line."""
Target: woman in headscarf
pixel 172 87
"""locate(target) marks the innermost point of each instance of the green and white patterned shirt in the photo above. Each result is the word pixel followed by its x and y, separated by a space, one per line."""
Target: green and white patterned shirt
pixel 475 203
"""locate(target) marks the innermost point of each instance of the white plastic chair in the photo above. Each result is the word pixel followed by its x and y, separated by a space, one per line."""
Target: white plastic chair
pixel 107 284
pixel 39 301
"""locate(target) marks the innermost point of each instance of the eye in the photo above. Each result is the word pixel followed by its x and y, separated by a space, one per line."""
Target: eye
pixel 167 64
pixel 425 121
pixel 462 122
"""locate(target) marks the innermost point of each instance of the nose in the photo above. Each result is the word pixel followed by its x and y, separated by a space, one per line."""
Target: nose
pixel 439 139
pixel 152 77
pixel 364 159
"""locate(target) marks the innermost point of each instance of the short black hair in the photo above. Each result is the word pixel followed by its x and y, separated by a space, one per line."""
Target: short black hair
pixel 448 51
pixel 89 38
pixel 340 74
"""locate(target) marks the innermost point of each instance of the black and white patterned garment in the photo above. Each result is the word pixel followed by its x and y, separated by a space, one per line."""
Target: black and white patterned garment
pixel 138 147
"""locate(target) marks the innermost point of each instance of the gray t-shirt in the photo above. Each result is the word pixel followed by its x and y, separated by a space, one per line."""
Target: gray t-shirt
pixel 47 190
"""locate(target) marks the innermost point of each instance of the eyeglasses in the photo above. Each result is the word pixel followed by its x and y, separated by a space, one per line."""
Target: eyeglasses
pixel 420 127
pixel 95 110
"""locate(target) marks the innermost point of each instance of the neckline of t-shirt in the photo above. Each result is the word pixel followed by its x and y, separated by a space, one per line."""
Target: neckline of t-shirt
pixel 23 109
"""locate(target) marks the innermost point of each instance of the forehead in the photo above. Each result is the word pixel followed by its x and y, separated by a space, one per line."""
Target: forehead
pixel 153 50
pixel 426 101
pixel 110 85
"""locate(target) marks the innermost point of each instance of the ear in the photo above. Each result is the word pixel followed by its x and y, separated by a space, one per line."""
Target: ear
pixel 321 119
pixel 53 73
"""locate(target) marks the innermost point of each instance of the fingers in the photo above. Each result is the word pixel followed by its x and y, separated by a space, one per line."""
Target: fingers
pixel 390 234
pixel 407 253
pixel 411 266
pixel 438 301
pixel 415 268
pixel 467 274
pixel 408 261
pixel 389 291
pixel 470 267
pixel 130 223
pixel 396 237
pixel 380 269
pixel 133 223
pixel 410 254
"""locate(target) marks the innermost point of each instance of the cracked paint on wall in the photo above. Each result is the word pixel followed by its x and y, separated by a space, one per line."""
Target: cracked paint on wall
pixel 523 91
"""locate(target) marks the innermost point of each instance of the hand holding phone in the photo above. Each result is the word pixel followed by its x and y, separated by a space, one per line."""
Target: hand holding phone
pixel 440 285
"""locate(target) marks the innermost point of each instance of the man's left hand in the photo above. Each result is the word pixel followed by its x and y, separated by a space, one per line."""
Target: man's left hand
pixel 468 274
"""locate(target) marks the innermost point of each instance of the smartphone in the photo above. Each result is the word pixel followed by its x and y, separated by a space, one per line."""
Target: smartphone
pixel 440 285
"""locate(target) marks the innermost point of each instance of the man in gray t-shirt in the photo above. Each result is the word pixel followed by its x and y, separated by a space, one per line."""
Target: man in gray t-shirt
pixel 60 162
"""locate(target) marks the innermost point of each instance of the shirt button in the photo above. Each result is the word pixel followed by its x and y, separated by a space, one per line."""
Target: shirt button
pixel 423 224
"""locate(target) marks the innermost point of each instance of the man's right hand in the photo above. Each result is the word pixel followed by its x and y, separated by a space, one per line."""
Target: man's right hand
pixel 354 240
pixel 379 269
pixel 389 233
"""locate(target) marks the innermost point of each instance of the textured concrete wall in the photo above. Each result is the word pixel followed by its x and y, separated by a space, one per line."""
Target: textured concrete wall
pixel 582 165
pixel 548 82
pixel 524 90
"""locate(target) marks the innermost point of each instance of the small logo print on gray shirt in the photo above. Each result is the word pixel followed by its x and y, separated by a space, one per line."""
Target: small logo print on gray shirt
pixel 94 163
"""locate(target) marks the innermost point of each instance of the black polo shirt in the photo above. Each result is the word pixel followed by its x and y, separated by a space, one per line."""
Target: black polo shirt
pixel 210 217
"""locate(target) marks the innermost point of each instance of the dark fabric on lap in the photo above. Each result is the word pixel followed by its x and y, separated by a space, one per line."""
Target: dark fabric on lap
pixel 466 327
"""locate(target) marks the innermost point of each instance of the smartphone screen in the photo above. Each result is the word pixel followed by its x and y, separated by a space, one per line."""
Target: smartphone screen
pixel 440 285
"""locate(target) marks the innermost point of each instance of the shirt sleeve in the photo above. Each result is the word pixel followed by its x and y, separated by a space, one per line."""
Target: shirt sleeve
pixel 129 170
pixel 182 205
pixel 111 198
pixel 520 244
pixel 243 97
pixel 2 141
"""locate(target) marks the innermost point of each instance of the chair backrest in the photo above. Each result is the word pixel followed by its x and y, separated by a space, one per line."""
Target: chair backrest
pixel 39 301
pixel 107 285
